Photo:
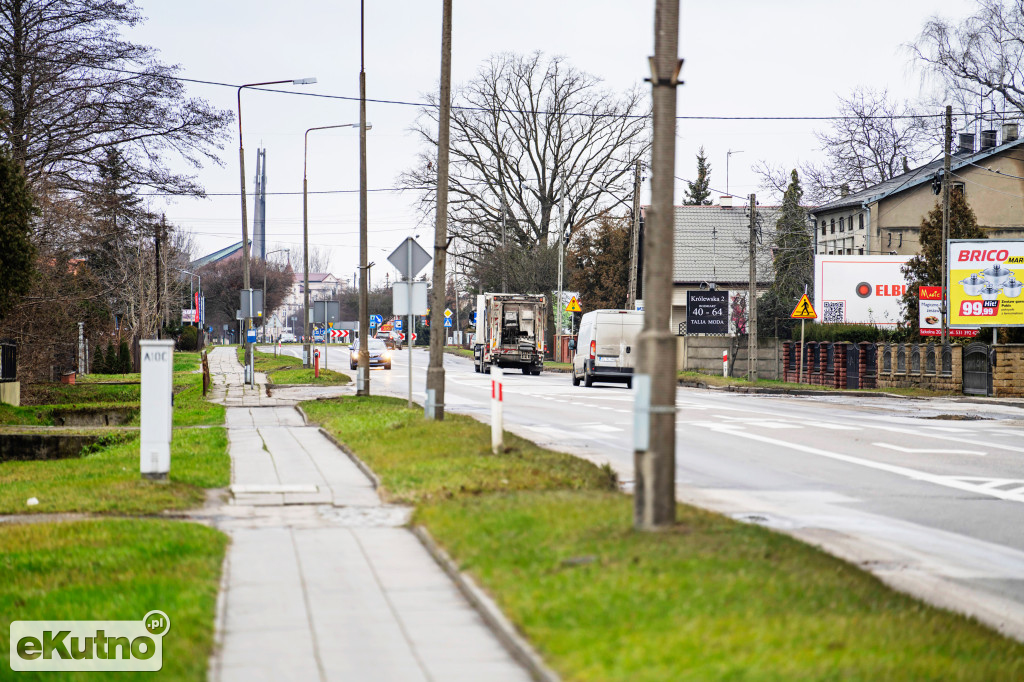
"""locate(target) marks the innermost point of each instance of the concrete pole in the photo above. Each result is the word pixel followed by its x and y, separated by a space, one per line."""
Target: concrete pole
pixel 435 372
pixel 363 378
pixel 948 142
pixel 307 332
pixel 634 242
pixel 654 460
pixel 752 295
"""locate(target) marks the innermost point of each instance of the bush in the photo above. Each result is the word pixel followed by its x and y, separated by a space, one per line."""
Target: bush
pixel 99 362
pixel 124 359
pixel 189 339
pixel 852 333
pixel 110 360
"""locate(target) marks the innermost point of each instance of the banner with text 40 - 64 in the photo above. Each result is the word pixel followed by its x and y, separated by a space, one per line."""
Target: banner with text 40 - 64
pixel 985 282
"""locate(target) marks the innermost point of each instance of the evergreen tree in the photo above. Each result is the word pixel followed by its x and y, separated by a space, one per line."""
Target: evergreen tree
pixel 698 192
pixel 124 359
pixel 793 263
pixel 16 251
pixel 925 269
pixel 110 359
pixel 597 265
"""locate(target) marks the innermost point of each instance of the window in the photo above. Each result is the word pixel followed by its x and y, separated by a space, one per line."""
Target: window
pixel 823 227
pixel 860 252
pixel 861 216
pixel 957 187
pixel 842 225
pixel 833 226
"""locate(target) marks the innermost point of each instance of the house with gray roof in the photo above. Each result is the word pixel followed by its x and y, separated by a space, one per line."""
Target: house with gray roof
pixel 886 218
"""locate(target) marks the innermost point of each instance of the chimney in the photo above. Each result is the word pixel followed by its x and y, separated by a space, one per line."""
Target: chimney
pixel 726 202
pixel 1009 132
pixel 844 190
pixel 966 145
pixel 988 139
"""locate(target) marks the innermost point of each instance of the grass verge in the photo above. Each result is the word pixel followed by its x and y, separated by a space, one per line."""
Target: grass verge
pixel 115 570
pixel 708 599
pixel 286 369
pixel 107 480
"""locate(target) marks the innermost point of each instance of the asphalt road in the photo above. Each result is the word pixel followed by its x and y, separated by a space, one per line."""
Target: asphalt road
pixel 927 494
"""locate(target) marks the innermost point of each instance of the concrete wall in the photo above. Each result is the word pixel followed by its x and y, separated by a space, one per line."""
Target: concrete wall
pixel 10 392
pixel 704 354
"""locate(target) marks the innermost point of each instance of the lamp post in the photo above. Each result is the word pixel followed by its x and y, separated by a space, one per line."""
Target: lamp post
pixel 727 155
pixel 363 375
pixel 263 325
pixel 245 227
pixel 307 331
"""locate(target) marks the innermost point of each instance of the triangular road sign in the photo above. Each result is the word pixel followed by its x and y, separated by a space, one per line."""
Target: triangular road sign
pixel 804 310
pixel 574 306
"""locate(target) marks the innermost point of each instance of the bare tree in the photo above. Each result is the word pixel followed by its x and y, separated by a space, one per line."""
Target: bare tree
pixel 73 87
pixel 526 134
pixel 872 139
pixel 979 58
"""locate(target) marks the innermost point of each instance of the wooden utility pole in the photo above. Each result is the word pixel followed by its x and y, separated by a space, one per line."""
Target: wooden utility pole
pixel 435 372
pixel 947 144
pixel 655 435
pixel 156 263
pixel 752 295
pixel 634 241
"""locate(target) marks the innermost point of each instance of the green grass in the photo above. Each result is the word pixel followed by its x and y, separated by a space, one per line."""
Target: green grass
pixel 420 460
pixel 114 570
pixel 710 599
pixel 108 481
pixel 707 599
pixel 285 369
pixel 190 407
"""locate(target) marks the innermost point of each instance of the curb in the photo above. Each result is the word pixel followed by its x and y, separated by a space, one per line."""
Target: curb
pixel 689 383
pixel 499 624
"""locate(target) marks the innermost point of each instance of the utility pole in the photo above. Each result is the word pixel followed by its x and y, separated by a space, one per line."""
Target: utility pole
pixel 504 251
pixel 655 435
pixel 558 307
pixel 752 295
pixel 435 372
pixel 363 376
pixel 156 260
pixel 948 142
pixel 634 240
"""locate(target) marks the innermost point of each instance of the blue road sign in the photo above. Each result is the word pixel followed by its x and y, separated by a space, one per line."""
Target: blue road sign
pixel 250 335
pixel 472 317
pixel 376 320
pixel 447 321
pixel 398 325
pixel 318 334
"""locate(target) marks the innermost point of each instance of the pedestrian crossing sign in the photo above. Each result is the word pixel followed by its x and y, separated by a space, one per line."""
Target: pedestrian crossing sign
pixel 574 306
pixel 804 310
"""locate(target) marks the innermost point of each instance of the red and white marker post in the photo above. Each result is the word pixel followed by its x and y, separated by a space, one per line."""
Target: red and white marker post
pixel 725 363
pixel 497 428
pixel 316 363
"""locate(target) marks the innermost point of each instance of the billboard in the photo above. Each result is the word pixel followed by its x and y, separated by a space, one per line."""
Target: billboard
pixel 707 312
pixel 930 316
pixel 859 289
pixel 984 282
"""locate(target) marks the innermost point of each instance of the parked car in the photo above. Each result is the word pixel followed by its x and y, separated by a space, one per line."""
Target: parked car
pixel 606 347
pixel 380 356
pixel 287 337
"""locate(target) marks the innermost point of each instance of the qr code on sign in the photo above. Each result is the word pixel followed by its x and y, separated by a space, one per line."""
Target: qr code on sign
pixel 835 311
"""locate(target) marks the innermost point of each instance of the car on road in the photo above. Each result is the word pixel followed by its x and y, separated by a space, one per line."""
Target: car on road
pixel 392 340
pixel 286 337
pixel 606 347
pixel 380 355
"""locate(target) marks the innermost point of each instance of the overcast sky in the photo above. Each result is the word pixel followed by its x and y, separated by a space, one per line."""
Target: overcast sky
pixel 743 58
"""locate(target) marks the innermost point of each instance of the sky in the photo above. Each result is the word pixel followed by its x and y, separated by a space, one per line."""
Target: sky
pixel 742 58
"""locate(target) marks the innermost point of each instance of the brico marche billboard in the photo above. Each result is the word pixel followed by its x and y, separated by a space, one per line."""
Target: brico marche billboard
pixel 859 289
pixel 984 282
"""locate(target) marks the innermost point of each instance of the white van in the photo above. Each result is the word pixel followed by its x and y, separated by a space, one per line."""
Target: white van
pixel 606 347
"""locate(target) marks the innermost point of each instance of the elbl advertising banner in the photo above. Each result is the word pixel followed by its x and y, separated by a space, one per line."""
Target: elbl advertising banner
pixel 984 287
pixel 930 316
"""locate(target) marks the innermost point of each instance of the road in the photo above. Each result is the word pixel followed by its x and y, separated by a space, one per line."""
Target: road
pixel 927 494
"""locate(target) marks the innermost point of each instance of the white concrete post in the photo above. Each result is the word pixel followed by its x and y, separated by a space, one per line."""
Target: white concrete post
pixel 157 409
pixel 497 426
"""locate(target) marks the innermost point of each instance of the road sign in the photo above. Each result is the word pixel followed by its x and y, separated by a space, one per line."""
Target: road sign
pixel 448 322
pixel 376 320
pixel 398 325
pixel 339 333
pixel 447 313
pixel 472 317
pixel 402 336
pixel 804 310
pixel 318 334
pixel 250 335
pixel 574 306
pixel 409 258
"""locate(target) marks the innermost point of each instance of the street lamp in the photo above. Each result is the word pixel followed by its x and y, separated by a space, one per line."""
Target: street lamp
pixel 263 324
pixel 307 327
pixel 727 155
pixel 245 227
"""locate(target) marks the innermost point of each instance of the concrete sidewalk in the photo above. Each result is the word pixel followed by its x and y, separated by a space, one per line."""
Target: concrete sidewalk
pixel 322 581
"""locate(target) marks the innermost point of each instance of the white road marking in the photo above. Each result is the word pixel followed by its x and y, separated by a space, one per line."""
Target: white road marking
pixel 929 451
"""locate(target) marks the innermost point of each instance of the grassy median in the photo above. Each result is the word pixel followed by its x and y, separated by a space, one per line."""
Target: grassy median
pixel 709 599
pixel 114 570
pixel 286 370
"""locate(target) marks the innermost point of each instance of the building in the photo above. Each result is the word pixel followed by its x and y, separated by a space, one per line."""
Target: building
pixel 886 218
pixel 711 250
pixel 322 286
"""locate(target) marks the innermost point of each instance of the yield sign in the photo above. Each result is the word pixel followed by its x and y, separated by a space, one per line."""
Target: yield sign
pixel 409 258
pixel 804 310
pixel 573 306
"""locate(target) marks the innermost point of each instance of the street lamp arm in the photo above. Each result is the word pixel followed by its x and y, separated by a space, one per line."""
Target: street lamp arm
pixel 293 81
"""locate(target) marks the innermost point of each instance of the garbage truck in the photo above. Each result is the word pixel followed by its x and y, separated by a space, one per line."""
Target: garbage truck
pixel 510 332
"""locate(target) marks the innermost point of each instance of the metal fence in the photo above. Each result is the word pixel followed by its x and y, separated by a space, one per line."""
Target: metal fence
pixel 8 361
